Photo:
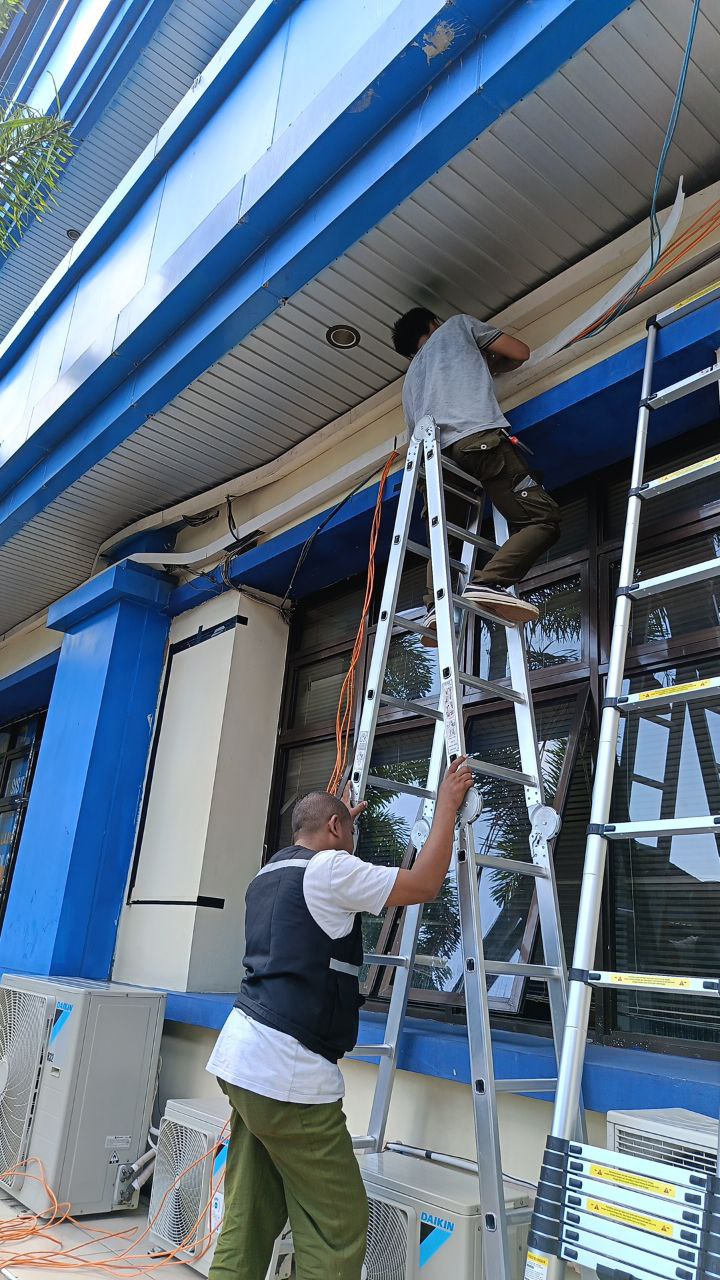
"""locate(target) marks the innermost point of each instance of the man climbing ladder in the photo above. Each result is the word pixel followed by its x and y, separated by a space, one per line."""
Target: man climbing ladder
pixel 453 606
pixel 450 380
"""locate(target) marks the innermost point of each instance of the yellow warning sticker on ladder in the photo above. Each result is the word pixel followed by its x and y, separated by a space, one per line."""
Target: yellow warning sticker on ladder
pixel 649 980
pixel 701 293
pixel 536 1267
pixel 631 1218
pixel 636 1181
pixel 692 466
pixel 648 694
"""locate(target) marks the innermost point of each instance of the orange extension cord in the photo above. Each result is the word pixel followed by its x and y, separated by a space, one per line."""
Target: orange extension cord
pixel 129 1264
pixel 344 718
pixel 676 252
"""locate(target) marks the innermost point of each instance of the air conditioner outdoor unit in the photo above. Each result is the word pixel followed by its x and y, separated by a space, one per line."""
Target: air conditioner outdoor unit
pixel 78 1073
pixel 426 1221
pixel 186 1203
pixel 672 1136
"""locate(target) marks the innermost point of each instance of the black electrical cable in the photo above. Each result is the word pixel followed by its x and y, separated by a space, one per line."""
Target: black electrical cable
pixel 307 545
pixel 655 231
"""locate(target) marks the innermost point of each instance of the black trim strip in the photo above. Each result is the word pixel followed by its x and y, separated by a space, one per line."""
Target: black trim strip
pixel 202 900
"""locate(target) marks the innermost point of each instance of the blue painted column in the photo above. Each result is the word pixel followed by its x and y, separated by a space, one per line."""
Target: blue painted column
pixel 72 866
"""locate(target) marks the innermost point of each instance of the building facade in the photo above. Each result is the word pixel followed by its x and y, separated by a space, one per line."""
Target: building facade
pixel 189 470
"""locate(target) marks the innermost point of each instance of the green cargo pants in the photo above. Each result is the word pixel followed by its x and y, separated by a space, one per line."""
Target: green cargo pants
pixel 290 1160
pixel 533 516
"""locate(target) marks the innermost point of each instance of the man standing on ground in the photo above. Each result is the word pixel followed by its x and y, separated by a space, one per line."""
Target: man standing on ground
pixel 290 1153
pixel 451 379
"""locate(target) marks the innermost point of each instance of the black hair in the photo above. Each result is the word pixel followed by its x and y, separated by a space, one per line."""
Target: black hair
pixel 314 810
pixel 410 328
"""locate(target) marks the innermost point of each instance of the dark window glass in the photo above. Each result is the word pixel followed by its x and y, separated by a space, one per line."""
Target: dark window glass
pixel 317 691
pixel 18 749
pixel 684 502
pixel 681 610
pixel 667 891
pixel 554 640
pixel 330 619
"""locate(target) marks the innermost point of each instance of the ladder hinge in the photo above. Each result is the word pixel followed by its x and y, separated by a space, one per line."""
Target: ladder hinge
pixel 637 490
pixel 627 591
pixel 579 975
pixel 596 828
pixel 610 703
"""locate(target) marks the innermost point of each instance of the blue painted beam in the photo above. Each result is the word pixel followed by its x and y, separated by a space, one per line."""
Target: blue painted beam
pixel 306 208
pixel 614 1078
pixel 29 688
pixel 69 880
pixel 589 422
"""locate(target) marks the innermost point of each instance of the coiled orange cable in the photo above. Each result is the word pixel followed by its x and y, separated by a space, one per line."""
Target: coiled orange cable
pixel 344 718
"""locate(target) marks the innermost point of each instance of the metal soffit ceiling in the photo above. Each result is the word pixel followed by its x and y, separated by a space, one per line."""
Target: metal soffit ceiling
pixel 181 47
pixel 566 171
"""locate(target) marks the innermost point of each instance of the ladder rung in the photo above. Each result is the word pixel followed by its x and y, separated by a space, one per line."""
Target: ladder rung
pixel 473 500
pixel 417 708
pixel 460 602
pixel 400 788
pixel 419 550
pixel 488 686
pixel 390 962
pixel 455 470
pixel 684 475
pixel 514 969
pixel 499 771
pixel 475 539
pixel 365 1143
pixel 371 1051
pixel 409 624
pixel 662 827
pixel 685 387
pixel 510 864
pixel 673 693
pixel 537 1084
pixel 654 982
pixel 678 578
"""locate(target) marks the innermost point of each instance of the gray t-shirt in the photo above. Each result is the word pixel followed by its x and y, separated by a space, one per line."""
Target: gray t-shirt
pixel 450 380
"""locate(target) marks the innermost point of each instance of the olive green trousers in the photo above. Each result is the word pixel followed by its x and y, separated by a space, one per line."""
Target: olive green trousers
pixel 290 1160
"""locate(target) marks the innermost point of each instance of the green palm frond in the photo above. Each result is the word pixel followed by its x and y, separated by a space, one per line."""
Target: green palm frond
pixel 33 150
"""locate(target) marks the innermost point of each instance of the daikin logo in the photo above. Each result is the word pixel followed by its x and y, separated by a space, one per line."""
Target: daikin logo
pixel 434 1233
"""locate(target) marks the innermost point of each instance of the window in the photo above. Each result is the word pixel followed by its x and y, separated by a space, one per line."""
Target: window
pixel 19 742
pixel 662 897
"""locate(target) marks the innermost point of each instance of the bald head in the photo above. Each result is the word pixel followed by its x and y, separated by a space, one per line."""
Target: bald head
pixel 321 821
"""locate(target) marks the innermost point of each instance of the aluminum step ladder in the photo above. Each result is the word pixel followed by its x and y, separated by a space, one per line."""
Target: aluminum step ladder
pixel 610 1214
pixel 452 613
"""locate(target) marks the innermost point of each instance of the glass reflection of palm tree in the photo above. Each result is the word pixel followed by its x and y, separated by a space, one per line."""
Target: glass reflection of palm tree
pixel 411 670
pixel 558 625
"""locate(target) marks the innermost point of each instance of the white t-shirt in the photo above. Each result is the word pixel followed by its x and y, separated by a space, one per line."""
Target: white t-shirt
pixel 252 1056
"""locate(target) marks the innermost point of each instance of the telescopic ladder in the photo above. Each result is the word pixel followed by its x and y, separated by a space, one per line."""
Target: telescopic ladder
pixel 452 613
pixel 617 1216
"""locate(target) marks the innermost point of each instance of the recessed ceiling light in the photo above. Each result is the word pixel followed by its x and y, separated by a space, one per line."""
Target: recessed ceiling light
pixel 342 336
pixel 72 233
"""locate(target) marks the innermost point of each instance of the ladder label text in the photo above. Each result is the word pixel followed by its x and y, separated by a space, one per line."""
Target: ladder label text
pixel 648 694
pixel 631 1218
pixel 452 737
pixel 636 1181
pixel 649 980
pixel 536 1267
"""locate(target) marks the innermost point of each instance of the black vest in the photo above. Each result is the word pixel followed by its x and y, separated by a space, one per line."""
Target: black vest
pixel 298 979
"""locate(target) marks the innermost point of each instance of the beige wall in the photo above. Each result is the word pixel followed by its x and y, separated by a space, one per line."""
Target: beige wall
pixel 424 1112
pixel 28 644
pixel 208 801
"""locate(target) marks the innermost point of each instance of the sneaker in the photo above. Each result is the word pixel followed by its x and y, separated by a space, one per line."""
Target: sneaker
pixel 502 603
pixel 430 622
